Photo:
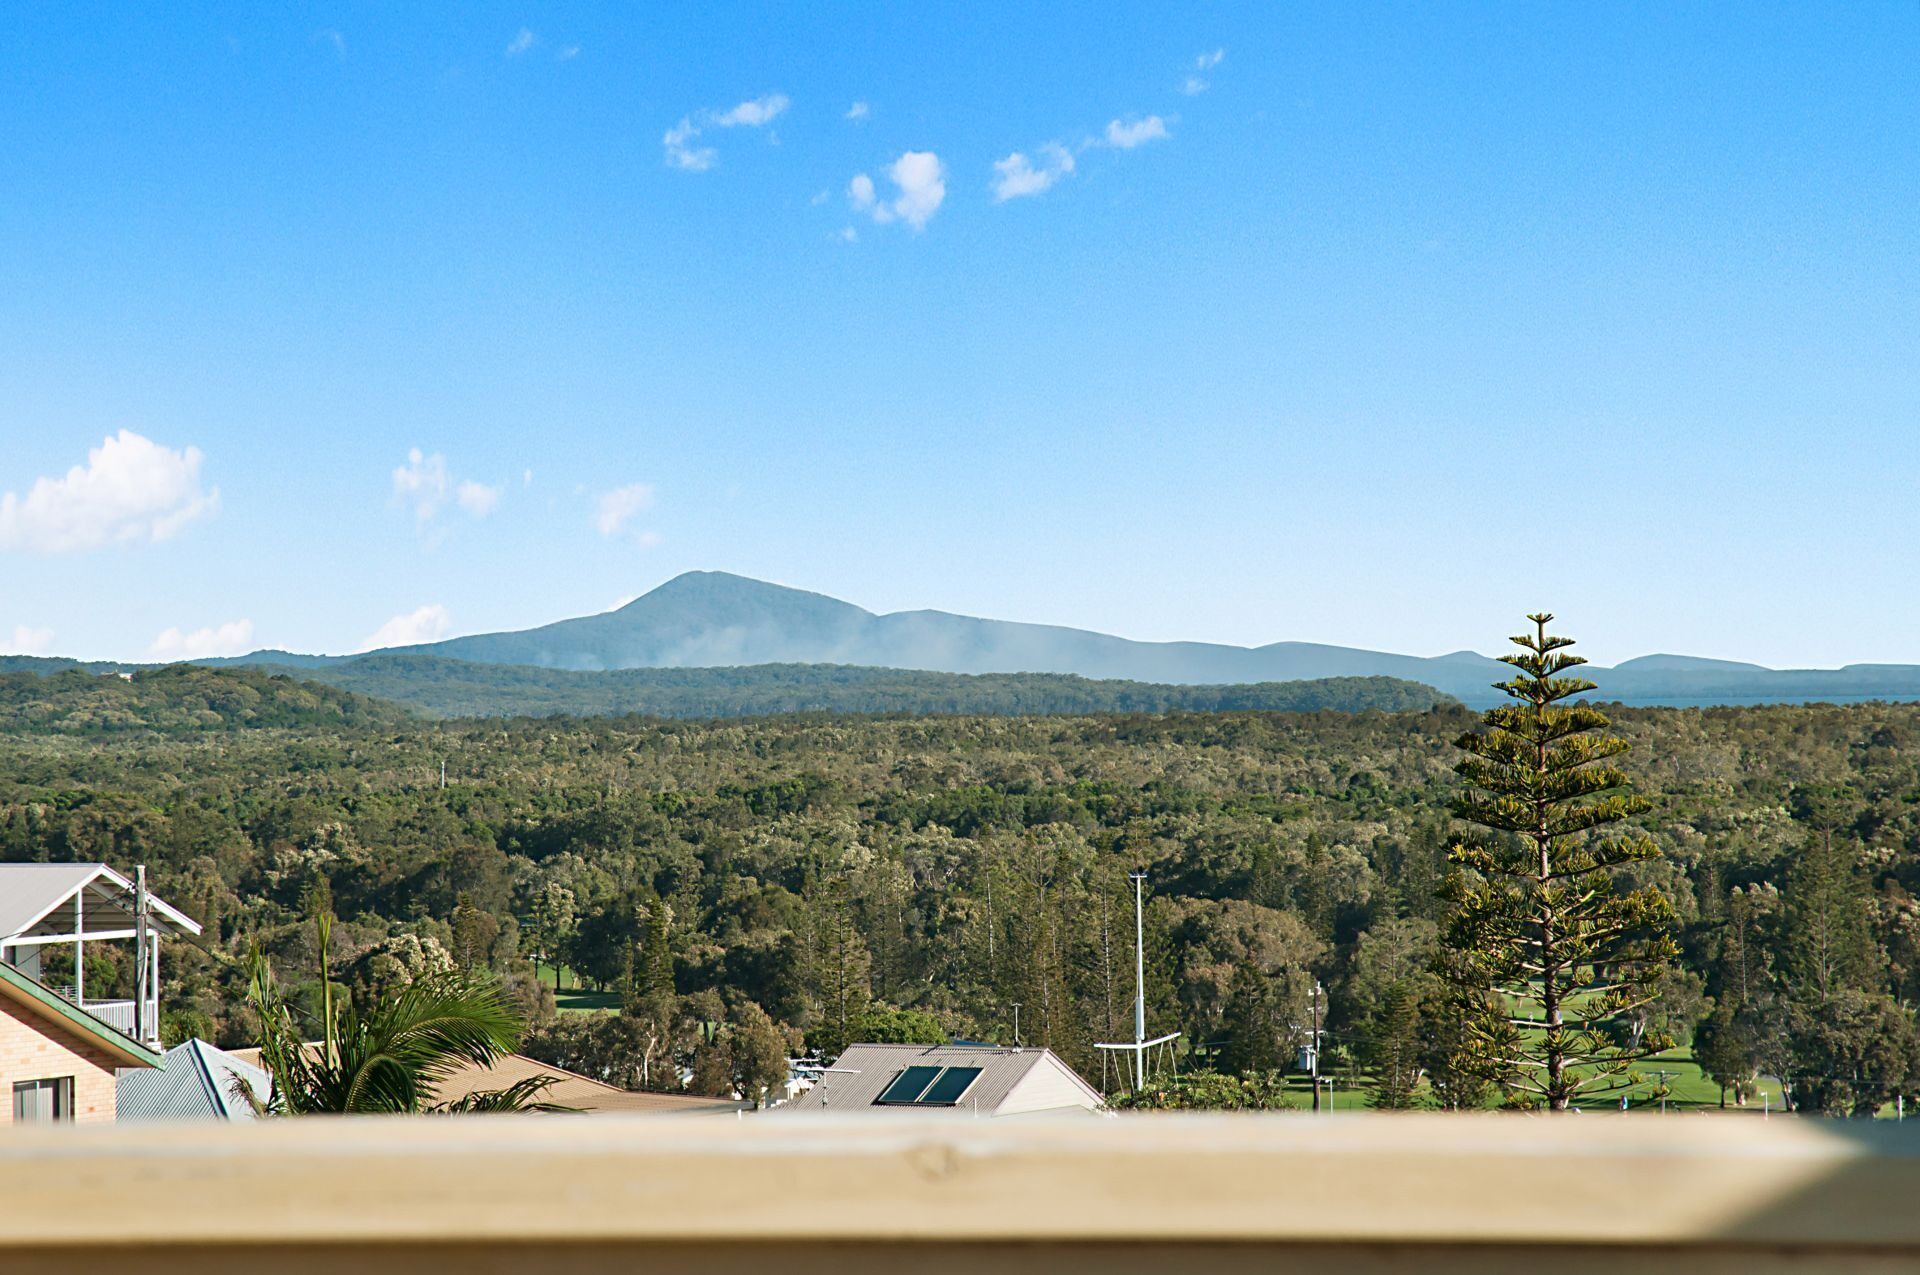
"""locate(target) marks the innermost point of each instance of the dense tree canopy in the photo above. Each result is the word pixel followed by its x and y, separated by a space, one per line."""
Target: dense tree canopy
pixel 755 879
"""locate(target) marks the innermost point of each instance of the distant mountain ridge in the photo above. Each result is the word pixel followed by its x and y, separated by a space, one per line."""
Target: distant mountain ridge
pixel 714 620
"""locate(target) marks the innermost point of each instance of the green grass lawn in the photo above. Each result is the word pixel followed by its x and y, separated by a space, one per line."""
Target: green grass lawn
pixel 573 998
pixel 1687 1091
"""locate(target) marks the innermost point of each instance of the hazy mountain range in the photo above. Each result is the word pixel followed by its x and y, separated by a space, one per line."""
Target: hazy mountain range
pixel 710 619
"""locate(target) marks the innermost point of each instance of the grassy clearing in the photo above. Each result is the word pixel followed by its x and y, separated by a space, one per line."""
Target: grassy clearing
pixel 572 998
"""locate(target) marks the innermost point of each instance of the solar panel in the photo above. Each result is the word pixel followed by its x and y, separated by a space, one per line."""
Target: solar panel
pixel 907 1086
pixel 946 1091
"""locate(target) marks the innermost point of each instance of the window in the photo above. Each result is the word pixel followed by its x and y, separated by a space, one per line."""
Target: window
pixel 946 1091
pixel 928 1087
pixel 908 1086
pixel 43 1101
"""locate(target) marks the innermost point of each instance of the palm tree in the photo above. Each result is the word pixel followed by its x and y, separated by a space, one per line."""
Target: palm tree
pixel 393 1056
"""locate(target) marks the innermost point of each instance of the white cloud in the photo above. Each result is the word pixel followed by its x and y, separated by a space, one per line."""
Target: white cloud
pixel 477 499
pixel 27 641
pixel 849 235
pixel 618 507
pixel 423 483
pixel 130 490
pixel 428 624
pixel 859 111
pixel 567 53
pixel 1015 176
pixel 1127 136
pixel 521 43
pixel 754 114
pixel 426 484
pixel 681 153
pixel 678 141
pixel 232 638
pixel 921 180
pixel 1194 84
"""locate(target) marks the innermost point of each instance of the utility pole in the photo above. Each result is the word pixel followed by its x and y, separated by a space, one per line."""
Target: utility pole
pixel 1313 1054
pixel 1140 981
pixel 1140 1044
pixel 140 983
pixel 1016 1024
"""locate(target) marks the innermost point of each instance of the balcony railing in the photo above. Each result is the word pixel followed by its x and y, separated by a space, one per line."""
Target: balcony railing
pixel 115 1014
pixel 791 1193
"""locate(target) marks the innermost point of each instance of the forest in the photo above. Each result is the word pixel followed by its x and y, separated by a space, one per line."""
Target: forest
pixel 753 887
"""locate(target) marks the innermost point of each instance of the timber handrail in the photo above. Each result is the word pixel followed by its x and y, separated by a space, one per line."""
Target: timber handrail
pixel 1756 1192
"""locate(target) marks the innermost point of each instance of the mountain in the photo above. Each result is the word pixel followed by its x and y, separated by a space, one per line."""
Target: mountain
pixel 707 619
pixel 440 687
pixel 710 619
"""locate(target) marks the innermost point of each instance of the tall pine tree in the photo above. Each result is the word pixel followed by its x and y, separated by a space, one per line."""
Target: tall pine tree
pixel 1553 950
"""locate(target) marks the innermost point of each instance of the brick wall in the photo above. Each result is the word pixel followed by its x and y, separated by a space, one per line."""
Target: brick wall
pixel 34 1048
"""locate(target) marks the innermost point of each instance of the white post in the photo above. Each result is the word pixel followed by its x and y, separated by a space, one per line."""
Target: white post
pixel 1140 983
pixel 140 952
pixel 153 992
pixel 80 947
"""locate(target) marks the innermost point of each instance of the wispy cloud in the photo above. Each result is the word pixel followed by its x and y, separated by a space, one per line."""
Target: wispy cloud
pixel 131 490
pixel 235 637
pixel 428 624
pixel 27 640
pixel 618 507
pixel 921 180
pixel 754 114
pixel 680 142
pixel 1195 83
pixel 427 485
pixel 332 39
pixel 521 43
pixel 1126 136
pixel 566 53
pixel 859 111
pixel 1016 176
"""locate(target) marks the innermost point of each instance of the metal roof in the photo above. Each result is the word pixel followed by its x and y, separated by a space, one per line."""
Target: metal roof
pixel 197 1084
pixel 32 893
pixel 570 1089
pixel 863 1072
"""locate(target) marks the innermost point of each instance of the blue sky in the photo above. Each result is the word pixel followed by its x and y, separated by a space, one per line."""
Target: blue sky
pixel 1374 325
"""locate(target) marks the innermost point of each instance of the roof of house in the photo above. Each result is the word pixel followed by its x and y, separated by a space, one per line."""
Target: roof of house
pixel 583 1093
pixel 46 1005
pixel 197 1084
pixel 863 1072
pixel 31 893
pixel 570 1089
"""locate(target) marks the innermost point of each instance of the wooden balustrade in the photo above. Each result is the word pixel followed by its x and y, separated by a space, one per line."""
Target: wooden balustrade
pixel 792 1193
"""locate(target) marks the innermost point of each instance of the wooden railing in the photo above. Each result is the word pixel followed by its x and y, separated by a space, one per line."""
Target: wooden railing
pixel 793 1193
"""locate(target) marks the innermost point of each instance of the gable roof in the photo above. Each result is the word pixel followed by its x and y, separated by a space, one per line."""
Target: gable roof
pixel 197 1084
pixel 30 892
pixel 43 1003
pixel 863 1072
pixel 571 1089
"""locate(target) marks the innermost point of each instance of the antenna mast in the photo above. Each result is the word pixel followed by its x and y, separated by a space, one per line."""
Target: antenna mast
pixel 1140 1045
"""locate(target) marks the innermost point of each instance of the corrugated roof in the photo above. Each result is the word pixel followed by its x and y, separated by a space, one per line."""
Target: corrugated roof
pixel 197 1084
pixel 29 891
pixel 863 1072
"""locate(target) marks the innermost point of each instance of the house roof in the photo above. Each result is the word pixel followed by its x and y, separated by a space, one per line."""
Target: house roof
pixel 583 1093
pixel 863 1072
pixel 570 1089
pixel 36 898
pixel 43 1003
pixel 196 1084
